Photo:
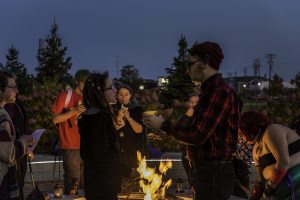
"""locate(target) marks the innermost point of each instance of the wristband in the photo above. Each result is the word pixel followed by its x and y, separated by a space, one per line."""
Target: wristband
pixel 277 176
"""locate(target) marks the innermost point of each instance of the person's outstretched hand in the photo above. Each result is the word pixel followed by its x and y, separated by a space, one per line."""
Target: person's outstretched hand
pixel 153 121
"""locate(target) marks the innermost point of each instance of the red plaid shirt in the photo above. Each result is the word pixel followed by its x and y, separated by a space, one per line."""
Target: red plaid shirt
pixel 213 135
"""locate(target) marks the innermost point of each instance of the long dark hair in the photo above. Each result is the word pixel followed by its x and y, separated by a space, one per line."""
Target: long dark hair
pixel 253 123
pixel 93 91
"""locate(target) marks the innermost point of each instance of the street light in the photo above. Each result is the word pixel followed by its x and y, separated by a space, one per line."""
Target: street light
pixel 142 87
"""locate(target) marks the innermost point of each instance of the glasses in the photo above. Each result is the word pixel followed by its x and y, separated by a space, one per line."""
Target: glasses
pixel 14 87
pixel 190 63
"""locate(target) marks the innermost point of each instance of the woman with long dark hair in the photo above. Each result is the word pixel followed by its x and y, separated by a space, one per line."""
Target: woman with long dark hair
pixel 276 154
pixel 98 145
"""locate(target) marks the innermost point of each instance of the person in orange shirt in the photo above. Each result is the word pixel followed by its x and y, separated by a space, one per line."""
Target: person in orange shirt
pixel 67 107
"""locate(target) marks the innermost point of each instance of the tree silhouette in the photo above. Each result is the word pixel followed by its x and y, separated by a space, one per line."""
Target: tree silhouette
pixel 179 84
pixel 51 59
pixel 13 65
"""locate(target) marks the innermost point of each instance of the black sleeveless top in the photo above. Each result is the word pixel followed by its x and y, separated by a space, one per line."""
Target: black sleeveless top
pixel 268 159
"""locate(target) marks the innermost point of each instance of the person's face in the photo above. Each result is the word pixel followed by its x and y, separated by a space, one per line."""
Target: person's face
pixel 110 92
pixel 124 96
pixel 195 69
pixel 80 85
pixel 193 101
pixel 10 92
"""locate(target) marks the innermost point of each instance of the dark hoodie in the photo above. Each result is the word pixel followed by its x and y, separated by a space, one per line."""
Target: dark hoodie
pixel 98 150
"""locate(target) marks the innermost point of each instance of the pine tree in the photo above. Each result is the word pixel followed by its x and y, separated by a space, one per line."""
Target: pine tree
pixel 51 59
pixel 296 81
pixel 130 76
pixel 179 84
pixel 13 65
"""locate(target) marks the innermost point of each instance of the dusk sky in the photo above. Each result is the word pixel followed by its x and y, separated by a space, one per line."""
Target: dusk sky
pixel 145 33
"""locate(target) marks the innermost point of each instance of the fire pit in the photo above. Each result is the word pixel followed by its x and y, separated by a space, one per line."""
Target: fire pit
pixel 141 196
pixel 149 185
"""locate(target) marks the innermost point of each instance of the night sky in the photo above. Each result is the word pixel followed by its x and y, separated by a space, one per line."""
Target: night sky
pixel 145 33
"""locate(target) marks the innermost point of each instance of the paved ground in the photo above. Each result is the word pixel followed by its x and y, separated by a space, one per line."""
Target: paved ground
pixel 46 179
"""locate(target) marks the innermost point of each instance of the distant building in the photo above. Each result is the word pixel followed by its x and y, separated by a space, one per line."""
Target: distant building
pixel 162 81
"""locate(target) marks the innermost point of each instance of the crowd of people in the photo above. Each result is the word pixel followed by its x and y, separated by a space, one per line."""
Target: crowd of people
pixel 101 128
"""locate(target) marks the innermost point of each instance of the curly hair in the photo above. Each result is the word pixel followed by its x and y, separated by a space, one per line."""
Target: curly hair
pixel 253 123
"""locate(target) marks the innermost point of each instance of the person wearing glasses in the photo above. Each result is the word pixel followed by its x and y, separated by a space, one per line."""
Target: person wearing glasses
pixel 11 146
pixel 103 170
pixel 18 115
pixel 67 107
pixel 212 136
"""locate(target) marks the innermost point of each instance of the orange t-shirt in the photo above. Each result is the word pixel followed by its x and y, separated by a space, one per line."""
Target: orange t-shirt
pixel 69 137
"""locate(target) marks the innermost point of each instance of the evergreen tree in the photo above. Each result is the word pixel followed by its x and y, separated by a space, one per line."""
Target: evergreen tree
pixel 51 59
pixel 130 76
pixel 296 81
pixel 276 87
pixel 179 84
pixel 13 65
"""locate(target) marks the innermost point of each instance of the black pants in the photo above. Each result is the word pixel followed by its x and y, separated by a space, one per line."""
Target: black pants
pixel 21 170
pixel 212 180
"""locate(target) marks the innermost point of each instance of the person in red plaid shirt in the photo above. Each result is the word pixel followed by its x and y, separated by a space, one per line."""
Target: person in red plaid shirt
pixel 212 137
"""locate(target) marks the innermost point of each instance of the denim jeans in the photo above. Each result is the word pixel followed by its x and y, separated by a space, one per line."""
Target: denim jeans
pixel 212 180
pixel 73 168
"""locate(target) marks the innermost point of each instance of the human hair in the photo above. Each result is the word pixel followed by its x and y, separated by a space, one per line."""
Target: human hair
pixel 208 52
pixel 93 91
pixel 193 95
pixel 81 75
pixel 4 76
pixel 253 123
pixel 127 87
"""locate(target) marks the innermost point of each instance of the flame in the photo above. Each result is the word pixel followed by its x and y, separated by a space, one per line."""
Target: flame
pixel 151 182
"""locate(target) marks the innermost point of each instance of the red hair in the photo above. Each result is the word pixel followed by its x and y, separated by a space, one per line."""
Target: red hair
pixel 253 123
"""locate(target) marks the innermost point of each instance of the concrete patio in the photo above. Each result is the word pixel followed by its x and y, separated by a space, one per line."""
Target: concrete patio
pixel 43 168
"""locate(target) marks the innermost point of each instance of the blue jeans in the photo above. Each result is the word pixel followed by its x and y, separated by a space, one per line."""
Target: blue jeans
pixel 212 180
pixel 73 168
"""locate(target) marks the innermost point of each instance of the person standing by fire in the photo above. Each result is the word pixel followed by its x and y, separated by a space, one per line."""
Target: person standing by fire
pixel 67 107
pixel 99 151
pixel 212 137
pixel 129 113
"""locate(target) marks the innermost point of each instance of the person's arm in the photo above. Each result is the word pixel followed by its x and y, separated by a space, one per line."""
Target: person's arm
pixel 58 107
pixel 210 112
pixel 276 142
pixel 62 117
pixel 135 125
pixel 259 186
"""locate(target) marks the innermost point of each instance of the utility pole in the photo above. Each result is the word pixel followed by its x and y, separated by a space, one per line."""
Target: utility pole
pixel 270 57
pixel 245 72
pixel 256 67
